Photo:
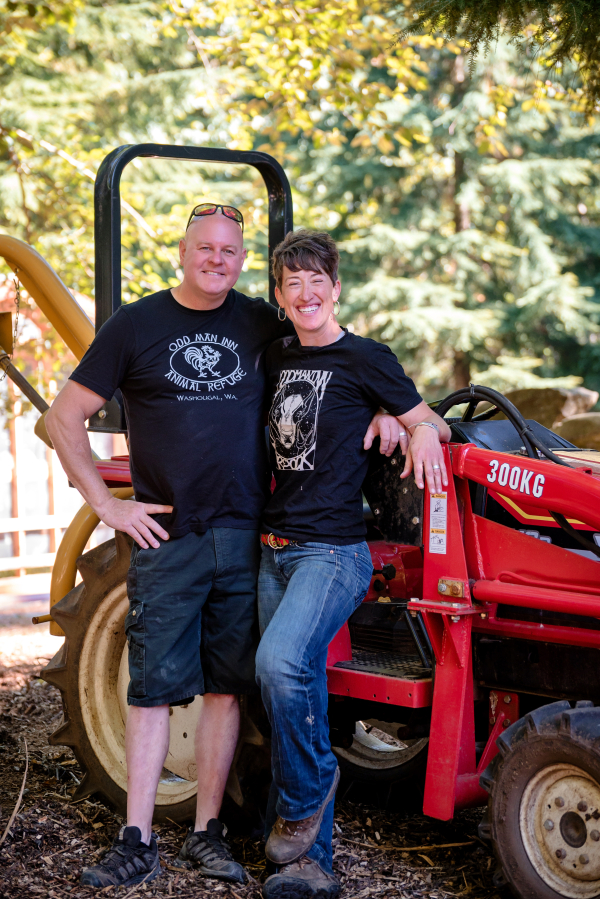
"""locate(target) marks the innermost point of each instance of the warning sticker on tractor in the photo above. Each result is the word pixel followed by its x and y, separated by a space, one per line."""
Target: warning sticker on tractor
pixel 438 518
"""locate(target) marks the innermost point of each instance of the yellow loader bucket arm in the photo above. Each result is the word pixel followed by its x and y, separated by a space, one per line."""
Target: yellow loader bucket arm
pixel 54 299
pixel 77 331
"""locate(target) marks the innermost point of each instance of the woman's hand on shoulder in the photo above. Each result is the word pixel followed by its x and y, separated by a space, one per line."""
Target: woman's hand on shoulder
pixel 425 456
pixel 426 459
pixel 390 431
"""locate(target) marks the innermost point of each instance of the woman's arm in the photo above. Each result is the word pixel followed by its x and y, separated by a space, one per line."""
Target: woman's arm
pixel 424 454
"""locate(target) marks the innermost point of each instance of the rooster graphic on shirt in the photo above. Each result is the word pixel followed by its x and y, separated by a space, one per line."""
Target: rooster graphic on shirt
pixel 203 359
pixel 293 418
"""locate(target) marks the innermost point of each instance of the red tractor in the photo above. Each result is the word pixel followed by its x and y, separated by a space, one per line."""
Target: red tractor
pixel 473 659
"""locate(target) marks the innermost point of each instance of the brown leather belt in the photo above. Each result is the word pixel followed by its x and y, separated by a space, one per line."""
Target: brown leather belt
pixel 276 542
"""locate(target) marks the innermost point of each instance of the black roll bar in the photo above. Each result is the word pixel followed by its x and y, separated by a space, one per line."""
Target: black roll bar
pixel 107 204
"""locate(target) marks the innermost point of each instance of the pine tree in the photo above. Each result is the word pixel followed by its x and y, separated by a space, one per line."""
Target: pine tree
pixel 562 31
pixel 484 262
pixel 78 87
pixel 466 204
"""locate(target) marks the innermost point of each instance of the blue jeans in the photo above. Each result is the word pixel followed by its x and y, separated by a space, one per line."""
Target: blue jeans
pixel 305 594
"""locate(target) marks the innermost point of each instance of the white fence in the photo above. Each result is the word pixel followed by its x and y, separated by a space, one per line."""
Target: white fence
pixel 35 496
pixel 37 523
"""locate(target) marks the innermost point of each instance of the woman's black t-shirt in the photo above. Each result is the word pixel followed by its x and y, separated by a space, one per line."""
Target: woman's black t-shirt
pixel 323 401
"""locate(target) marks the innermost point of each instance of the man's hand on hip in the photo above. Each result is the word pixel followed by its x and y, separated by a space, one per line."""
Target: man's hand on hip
pixel 66 426
pixel 134 518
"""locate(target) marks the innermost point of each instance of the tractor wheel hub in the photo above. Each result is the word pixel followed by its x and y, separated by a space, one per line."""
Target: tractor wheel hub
pixel 559 816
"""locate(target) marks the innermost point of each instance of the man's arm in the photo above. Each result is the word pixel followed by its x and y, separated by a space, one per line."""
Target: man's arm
pixel 65 423
pixel 425 452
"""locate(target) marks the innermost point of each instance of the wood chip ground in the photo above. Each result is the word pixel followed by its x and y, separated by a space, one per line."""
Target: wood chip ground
pixel 377 838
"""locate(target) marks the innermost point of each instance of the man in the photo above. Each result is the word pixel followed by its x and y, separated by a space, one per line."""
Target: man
pixel 189 362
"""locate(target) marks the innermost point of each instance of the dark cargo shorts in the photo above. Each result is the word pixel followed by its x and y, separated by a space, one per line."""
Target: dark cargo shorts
pixel 192 621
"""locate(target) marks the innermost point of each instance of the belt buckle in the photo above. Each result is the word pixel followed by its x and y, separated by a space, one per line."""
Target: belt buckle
pixel 272 541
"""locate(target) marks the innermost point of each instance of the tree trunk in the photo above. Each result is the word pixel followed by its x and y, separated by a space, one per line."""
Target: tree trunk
pixel 462 220
pixel 462 370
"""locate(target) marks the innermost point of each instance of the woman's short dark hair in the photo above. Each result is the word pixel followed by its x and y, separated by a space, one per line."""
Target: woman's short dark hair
pixel 308 251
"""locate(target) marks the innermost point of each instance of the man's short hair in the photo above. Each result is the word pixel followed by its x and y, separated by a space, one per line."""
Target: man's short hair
pixel 308 251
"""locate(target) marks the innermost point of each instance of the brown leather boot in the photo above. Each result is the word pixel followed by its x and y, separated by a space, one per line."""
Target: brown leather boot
pixel 290 840
pixel 304 879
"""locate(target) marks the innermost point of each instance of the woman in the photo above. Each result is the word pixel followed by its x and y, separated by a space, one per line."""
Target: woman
pixel 316 566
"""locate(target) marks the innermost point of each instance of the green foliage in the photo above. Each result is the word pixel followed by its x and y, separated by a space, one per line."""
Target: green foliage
pixel 467 208
pixel 76 89
pixel 481 259
pixel 32 15
pixel 18 19
pixel 287 68
pixel 458 201
pixel 560 32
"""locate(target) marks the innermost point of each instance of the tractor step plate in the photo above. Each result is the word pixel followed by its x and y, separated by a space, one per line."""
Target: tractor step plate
pixel 389 677
pixel 388 664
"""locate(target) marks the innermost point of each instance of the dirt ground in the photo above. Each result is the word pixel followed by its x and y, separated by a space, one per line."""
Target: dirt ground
pixel 379 852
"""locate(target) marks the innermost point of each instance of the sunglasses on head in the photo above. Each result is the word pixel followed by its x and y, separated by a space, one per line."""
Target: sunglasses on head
pixel 210 209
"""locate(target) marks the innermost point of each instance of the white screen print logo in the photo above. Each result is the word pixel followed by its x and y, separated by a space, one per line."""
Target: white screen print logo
pixel 517 478
pixel 293 418
pixel 206 363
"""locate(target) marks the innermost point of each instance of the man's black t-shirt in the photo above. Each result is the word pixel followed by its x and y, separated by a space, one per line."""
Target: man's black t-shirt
pixel 194 385
pixel 323 401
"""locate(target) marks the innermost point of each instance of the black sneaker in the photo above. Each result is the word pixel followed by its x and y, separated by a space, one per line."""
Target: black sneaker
pixel 303 879
pixel 127 862
pixel 208 850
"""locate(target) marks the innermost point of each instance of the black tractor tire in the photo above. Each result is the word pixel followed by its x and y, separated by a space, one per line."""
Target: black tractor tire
pixel 90 670
pixel 543 815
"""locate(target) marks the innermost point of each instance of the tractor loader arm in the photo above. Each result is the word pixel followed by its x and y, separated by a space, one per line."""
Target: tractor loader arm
pixel 569 491
pixel 52 296
pixel 77 331
pixel 72 545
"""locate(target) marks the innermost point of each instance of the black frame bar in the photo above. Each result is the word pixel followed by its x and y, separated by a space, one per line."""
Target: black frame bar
pixel 107 205
pixel 22 383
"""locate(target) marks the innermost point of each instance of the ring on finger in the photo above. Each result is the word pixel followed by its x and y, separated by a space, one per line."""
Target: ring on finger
pixel 436 467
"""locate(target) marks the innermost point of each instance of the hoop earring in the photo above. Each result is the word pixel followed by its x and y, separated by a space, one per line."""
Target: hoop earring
pixel 279 311
pixel 336 303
